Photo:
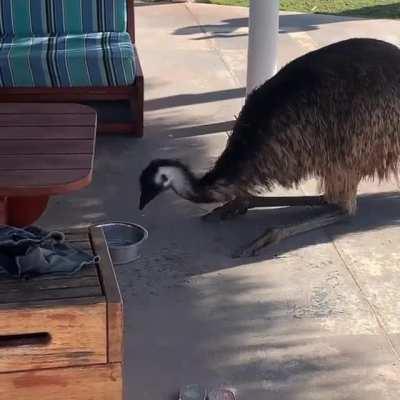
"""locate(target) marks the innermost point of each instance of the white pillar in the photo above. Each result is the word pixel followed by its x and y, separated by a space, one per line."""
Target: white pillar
pixel 263 42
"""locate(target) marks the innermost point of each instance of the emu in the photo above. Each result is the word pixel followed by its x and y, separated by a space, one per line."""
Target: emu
pixel 333 114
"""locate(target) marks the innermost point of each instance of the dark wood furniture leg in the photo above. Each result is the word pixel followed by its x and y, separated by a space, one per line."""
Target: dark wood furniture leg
pixel 136 106
pixel 22 211
pixel 136 100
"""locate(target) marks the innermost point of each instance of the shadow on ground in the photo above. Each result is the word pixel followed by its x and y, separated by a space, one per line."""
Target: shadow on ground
pixel 287 23
pixel 207 333
pixel 232 328
pixel 376 211
pixel 188 99
pixel 157 123
pixel 390 11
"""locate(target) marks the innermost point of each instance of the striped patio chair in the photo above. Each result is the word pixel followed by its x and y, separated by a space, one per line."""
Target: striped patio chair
pixel 71 50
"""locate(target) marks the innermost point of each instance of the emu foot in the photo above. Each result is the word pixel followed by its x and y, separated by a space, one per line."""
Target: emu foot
pixel 275 235
pixel 270 236
pixel 229 210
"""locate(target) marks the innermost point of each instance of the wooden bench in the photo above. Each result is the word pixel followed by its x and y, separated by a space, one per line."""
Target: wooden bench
pixel 61 28
pixel 61 338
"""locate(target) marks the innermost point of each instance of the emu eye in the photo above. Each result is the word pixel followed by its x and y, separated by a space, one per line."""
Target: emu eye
pixel 164 178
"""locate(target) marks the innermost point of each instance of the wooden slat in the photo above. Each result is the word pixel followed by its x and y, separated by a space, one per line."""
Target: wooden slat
pixel 46 147
pixel 112 292
pixel 46 132
pixel 65 94
pixel 108 278
pixel 25 296
pixel 78 234
pixel 75 301
pixel 78 336
pixel 100 382
pixel 79 244
pixel 45 182
pixel 54 120
pixel 88 271
pixel 47 108
pixel 79 239
pixel 48 284
pixel 83 247
pixel 49 161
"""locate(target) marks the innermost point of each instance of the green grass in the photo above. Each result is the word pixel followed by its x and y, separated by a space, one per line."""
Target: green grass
pixel 355 8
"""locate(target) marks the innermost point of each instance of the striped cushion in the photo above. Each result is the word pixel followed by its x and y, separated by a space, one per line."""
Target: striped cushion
pixel 61 17
pixel 95 59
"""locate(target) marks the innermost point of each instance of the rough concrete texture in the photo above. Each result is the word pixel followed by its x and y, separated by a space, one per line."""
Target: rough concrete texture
pixel 316 317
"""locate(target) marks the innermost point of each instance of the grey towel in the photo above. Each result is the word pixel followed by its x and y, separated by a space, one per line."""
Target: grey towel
pixel 30 252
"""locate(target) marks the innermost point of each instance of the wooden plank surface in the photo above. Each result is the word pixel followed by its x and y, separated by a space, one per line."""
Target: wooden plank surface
pixel 108 278
pixel 88 271
pixel 45 182
pixel 83 284
pixel 112 293
pixel 47 108
pixel 77 335
pixel 78 301
pixel 40 162
pixel 29 147
pixel 28 295
pixel 54 119
pixel 46 133
pixel 32 162
pixel 50 284
pixel 101 382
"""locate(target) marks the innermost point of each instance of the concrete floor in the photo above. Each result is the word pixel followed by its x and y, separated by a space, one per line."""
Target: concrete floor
pixel 317 317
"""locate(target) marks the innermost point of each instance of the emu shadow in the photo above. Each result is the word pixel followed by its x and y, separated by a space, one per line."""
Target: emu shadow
pixel 376 211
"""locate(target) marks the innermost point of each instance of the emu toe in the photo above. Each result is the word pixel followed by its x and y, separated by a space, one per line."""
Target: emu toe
pixel 269 237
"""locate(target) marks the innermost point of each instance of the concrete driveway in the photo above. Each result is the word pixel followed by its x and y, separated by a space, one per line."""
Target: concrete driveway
pixel 317 317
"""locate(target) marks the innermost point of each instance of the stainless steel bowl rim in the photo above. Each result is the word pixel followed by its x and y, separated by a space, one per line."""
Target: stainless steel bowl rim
pixel 127 224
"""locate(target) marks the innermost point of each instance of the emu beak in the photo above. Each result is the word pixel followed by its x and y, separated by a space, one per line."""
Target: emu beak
pixel 146 197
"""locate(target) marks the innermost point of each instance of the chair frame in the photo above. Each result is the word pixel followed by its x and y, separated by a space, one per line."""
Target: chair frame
pixel 132 93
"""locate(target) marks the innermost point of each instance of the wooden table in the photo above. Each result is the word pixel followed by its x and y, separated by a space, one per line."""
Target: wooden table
pixel 45 150
pixel 62 338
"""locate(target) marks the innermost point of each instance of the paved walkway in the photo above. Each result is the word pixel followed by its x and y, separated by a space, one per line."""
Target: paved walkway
pixel 317 317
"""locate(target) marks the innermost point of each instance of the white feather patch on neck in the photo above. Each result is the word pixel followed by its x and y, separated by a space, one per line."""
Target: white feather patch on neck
pixel 176 178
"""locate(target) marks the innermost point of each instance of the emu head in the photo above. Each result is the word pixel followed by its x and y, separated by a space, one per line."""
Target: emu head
pixel 159 176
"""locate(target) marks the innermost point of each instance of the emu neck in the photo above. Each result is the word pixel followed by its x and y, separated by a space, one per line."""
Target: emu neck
pixel 185 184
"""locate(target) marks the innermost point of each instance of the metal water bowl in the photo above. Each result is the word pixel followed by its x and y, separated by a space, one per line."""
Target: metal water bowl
pixel 124 240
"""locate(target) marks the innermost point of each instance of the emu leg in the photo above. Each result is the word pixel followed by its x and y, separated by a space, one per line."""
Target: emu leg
pixel 229 210
pixel 239 206
pixel 276 234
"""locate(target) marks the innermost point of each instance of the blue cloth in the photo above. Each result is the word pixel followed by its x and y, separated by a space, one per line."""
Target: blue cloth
pixel 30 252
